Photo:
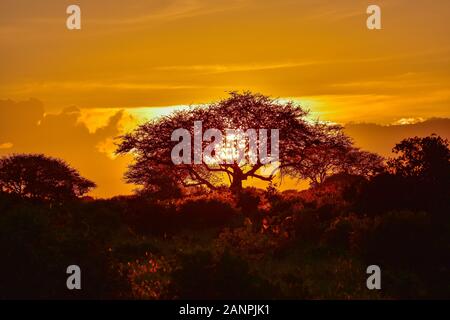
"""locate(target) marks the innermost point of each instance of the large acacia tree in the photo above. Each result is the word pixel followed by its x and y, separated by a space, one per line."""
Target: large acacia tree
pixel 300 141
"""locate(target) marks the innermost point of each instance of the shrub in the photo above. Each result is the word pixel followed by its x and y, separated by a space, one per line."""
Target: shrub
pixel 203 276
pixel 36 250
pixel 340 231
pixel 208 211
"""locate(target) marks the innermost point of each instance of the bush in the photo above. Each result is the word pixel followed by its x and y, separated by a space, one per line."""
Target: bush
pixel 203 276
pixel 147 216
pixel 208 211
pixel 36 251
pixel 340 231
pixel 308 226
pixel 400 238
pixel 410 246
pixel 249 200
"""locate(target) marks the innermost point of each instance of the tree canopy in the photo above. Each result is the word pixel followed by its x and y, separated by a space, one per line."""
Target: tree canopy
pixel 417 177
pixel 301 144
pixel 427 158
pixel 40 177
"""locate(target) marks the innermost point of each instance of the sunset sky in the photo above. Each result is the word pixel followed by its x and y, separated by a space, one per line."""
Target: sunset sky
pixel 138 59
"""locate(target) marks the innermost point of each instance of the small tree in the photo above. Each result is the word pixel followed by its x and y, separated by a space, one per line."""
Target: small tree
pixel 335 154
pixel 36 176
pixel 418 178
pixel 426 158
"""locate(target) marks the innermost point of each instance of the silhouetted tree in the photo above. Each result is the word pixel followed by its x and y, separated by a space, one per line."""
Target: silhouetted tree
pixel 36 176
pixel 426 158
pixel 417 179
pixel 299 139
pixel 337 155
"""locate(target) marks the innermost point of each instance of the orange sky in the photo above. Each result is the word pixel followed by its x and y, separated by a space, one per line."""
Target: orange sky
pixel 141 54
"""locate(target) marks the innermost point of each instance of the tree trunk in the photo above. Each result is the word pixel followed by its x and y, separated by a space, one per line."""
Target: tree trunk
pixel 236 185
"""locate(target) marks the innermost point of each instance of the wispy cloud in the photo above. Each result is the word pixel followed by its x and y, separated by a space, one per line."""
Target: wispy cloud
pixel 217 68
pixel 174 10
pixel 86 85
pixel 6 145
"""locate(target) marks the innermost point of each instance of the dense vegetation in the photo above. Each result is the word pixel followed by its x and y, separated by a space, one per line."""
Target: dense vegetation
pixel 312 244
